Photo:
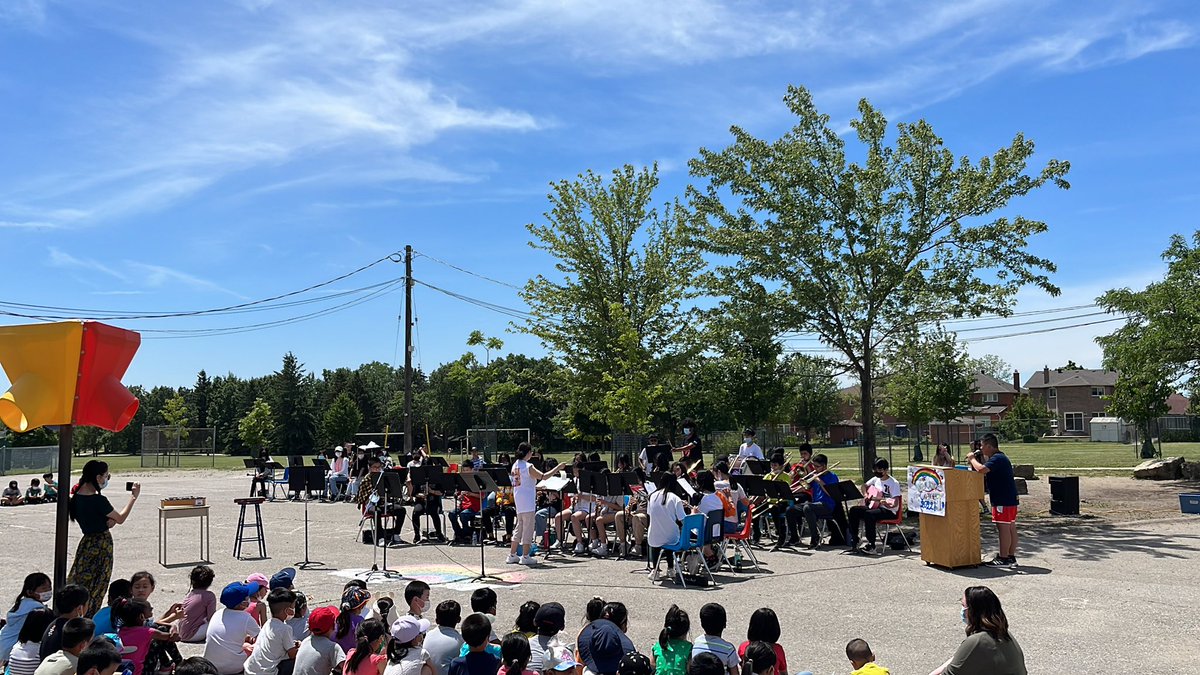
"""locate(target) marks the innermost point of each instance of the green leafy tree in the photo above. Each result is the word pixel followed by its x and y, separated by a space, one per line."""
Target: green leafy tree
pixel 175 412
pixel 813 398
pixel 1026 417
pixel 342 420
pixel 200 395
pixel 295 421
pixel 749 356
pixel 950 381
pixel 992 365
pixel 257 428
pixel 905 389
pixel 858 251
pixel 613 313
pixel 1071 365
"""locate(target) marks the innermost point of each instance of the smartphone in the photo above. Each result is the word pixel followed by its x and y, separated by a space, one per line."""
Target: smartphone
pixel 129 486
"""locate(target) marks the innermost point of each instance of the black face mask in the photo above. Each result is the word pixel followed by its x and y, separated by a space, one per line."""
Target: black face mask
pixel 879 474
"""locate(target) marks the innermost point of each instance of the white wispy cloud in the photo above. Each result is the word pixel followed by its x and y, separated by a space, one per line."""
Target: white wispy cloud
pixel 62 259
pixel 156 276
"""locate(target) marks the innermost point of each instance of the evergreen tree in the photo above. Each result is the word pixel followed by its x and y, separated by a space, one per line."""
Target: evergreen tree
pixel 295 422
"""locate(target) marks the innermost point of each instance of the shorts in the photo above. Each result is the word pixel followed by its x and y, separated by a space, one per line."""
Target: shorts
pixel 1004 514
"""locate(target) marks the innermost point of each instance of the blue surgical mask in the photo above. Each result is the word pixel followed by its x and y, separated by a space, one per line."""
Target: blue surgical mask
pixel 964 614
pixel 104 485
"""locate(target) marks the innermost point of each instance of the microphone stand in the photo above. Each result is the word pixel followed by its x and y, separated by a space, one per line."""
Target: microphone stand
pixel 383 488
pixel 307 564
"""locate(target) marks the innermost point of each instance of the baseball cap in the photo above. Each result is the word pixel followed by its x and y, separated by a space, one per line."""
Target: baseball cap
pixel 260 579
pixel 551 615
pixel 634 663
pixel 322 619
pixel 408 627
pixel 236 593
pixel 601 645
pixel 355 597
pixel 283 578
pixel 566 662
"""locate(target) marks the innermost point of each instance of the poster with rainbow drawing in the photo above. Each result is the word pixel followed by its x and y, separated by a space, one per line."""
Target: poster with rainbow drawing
pixel 927 490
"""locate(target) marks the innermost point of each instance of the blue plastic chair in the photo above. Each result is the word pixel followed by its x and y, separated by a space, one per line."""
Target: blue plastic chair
pixel 277 483
pixel 691 538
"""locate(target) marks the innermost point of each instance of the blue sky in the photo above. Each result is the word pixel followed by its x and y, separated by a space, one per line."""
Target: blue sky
pixel 188 155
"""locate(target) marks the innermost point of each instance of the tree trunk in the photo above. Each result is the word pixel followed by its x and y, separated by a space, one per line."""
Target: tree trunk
pixel 867 391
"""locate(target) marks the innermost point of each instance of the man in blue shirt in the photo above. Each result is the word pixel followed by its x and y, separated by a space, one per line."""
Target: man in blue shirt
pixel 997 473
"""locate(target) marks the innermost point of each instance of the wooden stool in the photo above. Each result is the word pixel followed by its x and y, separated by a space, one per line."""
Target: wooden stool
pixel 256 528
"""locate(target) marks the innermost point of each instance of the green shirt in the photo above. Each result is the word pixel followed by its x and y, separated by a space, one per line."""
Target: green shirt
pixel 981 653
pixel 672 659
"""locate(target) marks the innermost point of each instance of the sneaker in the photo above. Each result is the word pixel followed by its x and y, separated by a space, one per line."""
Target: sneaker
pixel 601 550
pixel 529 560
pixel 512 559
pixel 579 549
pixel 997 562
pixel 653 574
pixel 1012 561
pixel 636 552
pixel 396 539
pixel 867 548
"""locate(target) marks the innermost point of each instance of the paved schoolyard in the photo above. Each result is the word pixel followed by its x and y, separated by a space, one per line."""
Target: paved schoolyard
pixel 1122 597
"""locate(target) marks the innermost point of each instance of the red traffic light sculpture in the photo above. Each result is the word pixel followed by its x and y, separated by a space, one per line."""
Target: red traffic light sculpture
pixel 64 374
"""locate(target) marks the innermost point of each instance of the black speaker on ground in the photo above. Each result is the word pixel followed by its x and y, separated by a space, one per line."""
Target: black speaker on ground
pixel 1064 495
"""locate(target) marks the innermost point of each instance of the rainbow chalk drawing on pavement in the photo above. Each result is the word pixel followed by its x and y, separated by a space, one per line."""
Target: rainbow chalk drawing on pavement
pixel 450 576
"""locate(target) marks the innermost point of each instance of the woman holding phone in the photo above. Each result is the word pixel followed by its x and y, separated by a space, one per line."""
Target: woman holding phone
pixel 93 564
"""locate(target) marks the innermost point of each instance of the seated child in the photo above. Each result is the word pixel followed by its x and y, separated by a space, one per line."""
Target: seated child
pixel 199 605
pixel 476 630
pixel 863 659
pixel 134 618
pixel 275 649
pixel 33 494
pixel 70 602
pixel 299 620
pixel 73 638
pixel 318 653
pixel 12 495
pixel 100 657
pixel 119 588
pixel 26 655
pixel 165 652
pixel 49 487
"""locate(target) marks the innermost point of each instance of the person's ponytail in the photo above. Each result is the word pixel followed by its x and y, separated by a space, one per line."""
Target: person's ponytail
pixel 342 624
pixel 396 651
pixel 369 631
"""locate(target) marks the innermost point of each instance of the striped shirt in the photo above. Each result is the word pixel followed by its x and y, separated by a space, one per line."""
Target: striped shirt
pixel 719 648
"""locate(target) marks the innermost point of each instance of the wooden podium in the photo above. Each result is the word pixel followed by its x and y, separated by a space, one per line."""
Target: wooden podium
pixel 952 540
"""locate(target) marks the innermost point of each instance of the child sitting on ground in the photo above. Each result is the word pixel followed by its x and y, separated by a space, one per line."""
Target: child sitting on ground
pixel 318 653
pixel 49 487
pixel 164 652
pixel 33 494
pixel 134 619
pixel 713 621
pixel 299 620
pixel 73 638
pixel 275 649
pixel 12 495
pixel 70 601
pixel 119 588
pixel 863 659
pixel 26 655
pixel 476 629
pixel 100 657
pixel 670 654
pixel 199 605
pixel 514 655
pixel 258 608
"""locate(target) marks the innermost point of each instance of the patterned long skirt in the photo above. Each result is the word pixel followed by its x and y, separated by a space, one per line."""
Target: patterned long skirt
pixel 92 568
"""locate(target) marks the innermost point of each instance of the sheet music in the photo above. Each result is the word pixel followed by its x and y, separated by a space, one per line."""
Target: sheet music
pixel 553 483
pixel 687 487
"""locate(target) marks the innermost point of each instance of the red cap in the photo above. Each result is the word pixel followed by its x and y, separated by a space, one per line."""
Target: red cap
pixel 321 619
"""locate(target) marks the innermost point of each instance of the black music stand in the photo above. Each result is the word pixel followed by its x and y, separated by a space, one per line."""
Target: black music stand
pixel 295 460
pixel 483 484
pixel 760 467
pixel 426 476
pixel 310 479
pixel 321 462
pixel 595 466
pixel 389 486
pixel 652 453
pixel 437 461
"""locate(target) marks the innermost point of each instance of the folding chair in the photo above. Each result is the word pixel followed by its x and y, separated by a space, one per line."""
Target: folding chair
pixel 277 483
pixel 691 538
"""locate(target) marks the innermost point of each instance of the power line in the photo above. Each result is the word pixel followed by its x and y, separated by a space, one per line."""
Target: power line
pixel 466 271
pixel 1043 330
pixel 484 304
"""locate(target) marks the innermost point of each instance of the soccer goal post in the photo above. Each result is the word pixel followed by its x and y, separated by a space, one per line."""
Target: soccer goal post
pixel 491 441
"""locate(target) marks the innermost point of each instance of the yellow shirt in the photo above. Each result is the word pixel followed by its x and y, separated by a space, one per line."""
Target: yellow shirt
pixel 783 477
pixel 871 669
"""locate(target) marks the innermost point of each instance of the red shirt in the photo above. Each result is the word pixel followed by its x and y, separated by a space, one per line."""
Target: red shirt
pixel 780 659
pixel 470 501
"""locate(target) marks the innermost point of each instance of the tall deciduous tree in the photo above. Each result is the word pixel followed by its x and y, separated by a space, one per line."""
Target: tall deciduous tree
pixel 813 399
pixel 295 421
pixel 1026 417
pixel 257 428
pixel 992 365
pixel 859 250
pixel 949 378
pixel 614 310
pixel 749 352
pixel 342 420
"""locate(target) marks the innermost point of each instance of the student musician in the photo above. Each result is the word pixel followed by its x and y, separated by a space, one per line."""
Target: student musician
pixel 776 508
pixel 635 514
pixel 749 449
pixel 735 496
pixel 371 503
pixel 882 502
pixel 427 501
pixel 583 506
pixel 822 505
pixel 644 455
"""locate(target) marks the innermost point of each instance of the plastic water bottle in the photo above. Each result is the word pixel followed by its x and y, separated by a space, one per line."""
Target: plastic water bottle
pixel 737 559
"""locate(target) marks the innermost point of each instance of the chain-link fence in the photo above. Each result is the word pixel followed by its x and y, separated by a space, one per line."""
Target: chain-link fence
pixel 179 447
pixel 35 459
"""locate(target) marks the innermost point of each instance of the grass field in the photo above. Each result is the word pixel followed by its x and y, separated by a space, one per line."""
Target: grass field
pixel 1089 458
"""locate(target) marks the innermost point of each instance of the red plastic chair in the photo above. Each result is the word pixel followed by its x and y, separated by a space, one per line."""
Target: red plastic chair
pixel 741 542
pixel 892 525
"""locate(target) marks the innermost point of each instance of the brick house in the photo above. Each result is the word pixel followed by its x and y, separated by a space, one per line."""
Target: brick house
pixel 1074 396
pixel 993 398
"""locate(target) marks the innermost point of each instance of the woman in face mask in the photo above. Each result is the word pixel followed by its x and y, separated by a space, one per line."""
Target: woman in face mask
pixel 35 593
pixel 690 453
pixel 989 647
pixel 95 514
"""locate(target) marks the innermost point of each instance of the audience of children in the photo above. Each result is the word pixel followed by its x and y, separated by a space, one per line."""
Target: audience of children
pixel 367 657
pixel 476 631
pixel 444 641
pixel 199 605
pixel 35 593
pixel 231 629
pixel 275 648
pixel 405 653
pixel 318 653
pixel 70 602
pixel 74 637
pixel 40 491
pixel 25 656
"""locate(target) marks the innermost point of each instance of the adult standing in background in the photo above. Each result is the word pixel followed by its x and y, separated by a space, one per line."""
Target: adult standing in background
pixel 93 564
pixel 524 479
pixel 997 473
pixel 690 452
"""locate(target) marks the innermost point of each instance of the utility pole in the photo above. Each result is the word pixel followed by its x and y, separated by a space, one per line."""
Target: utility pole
pixel 408 349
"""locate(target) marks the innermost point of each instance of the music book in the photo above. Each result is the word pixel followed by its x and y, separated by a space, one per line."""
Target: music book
pixel 556 483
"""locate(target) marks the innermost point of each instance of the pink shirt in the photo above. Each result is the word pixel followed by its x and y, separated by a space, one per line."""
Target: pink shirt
pixel 198 608
pixel 369 665
pixel 138 637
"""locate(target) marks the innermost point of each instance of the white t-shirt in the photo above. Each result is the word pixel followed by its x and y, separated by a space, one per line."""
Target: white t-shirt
pixel 227 632
pixel 442 645
pixel 317 656
pixel 889 486
pixel 665 519
pixel 750 451
pixel 524 488
pixel 271 648
pixel 410 663
pixel 711 502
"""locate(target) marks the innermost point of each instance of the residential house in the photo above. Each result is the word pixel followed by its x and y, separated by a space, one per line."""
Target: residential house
pixel 1074 396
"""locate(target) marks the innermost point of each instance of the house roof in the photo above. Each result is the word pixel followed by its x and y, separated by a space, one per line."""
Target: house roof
pixel 986 384
pixel 1073 378
pixel 993 410
pixel 1178 404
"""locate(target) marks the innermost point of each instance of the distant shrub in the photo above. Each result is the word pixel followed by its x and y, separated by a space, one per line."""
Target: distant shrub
pixel 1029 438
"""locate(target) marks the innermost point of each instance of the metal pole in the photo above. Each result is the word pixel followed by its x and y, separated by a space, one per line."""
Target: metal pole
pixel 61 521
pixel 408 349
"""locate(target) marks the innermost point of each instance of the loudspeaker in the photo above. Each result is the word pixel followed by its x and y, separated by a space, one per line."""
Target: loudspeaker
pixel 1064 495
